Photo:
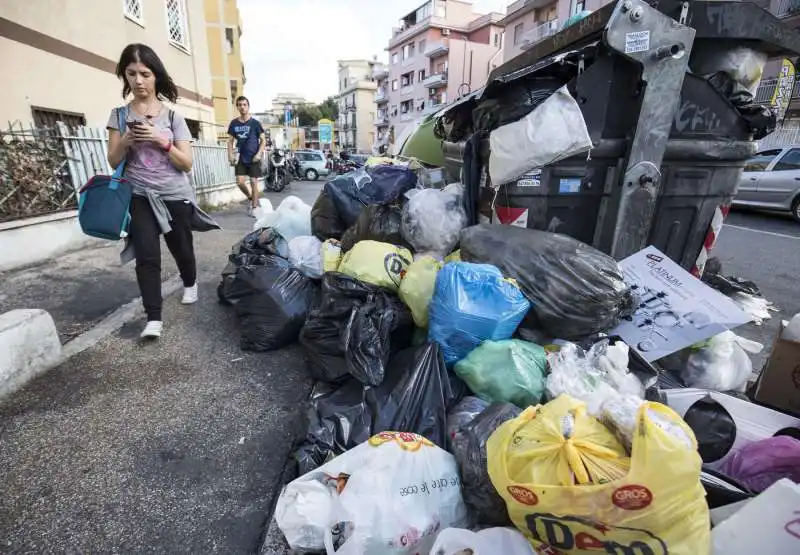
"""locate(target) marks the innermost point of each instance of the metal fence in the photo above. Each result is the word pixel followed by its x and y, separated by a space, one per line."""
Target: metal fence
pixel 42 169
pixel 787 134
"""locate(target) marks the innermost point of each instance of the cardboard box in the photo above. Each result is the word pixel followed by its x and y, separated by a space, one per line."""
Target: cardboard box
pixel 779 383
pixel 769 524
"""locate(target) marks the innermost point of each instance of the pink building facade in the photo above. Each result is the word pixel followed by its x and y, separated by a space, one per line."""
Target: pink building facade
pixel 441 51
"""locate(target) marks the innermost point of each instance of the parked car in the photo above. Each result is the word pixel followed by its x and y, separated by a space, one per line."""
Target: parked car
pixel 771 180
pixel 312 164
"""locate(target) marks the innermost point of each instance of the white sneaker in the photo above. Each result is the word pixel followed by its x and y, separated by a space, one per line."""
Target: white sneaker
pixel 189 295
pixel 152 330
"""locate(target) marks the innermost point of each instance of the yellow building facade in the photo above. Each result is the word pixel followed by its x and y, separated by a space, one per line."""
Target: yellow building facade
pixel 224 31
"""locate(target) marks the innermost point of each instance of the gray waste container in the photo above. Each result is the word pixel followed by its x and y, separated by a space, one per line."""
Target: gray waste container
pixel 668 146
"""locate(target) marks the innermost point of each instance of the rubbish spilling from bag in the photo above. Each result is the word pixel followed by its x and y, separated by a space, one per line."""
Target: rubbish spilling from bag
pixel 511 347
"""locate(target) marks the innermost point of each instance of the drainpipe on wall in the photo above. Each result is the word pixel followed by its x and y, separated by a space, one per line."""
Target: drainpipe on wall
pixel 490 64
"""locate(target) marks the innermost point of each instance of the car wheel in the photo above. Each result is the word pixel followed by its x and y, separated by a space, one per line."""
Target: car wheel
pixel 312 175
pixel 796 209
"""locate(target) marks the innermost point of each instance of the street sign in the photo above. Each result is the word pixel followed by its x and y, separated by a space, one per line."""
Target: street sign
pixel 325 127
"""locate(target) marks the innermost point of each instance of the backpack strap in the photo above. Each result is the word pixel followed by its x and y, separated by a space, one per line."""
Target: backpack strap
pixel 122 118
pixel 171 119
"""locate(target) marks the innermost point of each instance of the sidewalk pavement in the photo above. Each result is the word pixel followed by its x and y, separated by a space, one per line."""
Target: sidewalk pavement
pixel 178 446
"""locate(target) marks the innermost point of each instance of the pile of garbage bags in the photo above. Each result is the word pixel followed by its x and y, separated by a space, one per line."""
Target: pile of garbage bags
pixel 465 379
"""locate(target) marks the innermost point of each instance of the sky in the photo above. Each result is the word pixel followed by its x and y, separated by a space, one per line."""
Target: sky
pixel 291 46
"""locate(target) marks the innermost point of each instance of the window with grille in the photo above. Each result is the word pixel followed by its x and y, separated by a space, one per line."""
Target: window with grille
pixel 133 10
pixel 45 118
pixel 176 23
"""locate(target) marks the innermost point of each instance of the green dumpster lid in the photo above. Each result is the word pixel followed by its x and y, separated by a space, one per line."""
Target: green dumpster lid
pixel 421 143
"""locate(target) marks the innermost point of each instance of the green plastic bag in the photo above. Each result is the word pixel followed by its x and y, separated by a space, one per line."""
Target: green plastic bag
pixel 416 289
pixel 511 371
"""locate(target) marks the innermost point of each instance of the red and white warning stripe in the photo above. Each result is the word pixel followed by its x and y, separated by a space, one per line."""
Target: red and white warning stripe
pixel 711 239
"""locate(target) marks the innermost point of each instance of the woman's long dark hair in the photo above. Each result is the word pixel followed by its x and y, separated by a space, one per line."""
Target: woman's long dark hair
pixel 141 53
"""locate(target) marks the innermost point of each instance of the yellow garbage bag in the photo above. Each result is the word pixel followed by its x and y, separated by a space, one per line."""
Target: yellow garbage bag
pixel 377 263
pixel 454 256
pixel 657 507
pixel 331 255
pixel 416 289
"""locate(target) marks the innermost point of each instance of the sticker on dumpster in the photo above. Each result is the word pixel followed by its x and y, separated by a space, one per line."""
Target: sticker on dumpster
pixel 508 215
pixel 638 41
pixel 569 185
pixel 533 179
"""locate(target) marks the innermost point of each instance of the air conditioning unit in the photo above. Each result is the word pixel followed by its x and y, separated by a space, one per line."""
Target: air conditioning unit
pixel 446 32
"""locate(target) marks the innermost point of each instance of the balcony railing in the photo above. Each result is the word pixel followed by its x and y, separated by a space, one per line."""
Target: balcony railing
pixel 380 73
pixel 405 117
pixel 381 97
pixel 435 80
pixel 788 8
pixel 405 91
pixel 539 33
pixel 437 49
pixel 381 121
pixel 408 62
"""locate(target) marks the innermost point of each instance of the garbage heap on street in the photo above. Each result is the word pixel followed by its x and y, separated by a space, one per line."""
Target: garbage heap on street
pixel 505 389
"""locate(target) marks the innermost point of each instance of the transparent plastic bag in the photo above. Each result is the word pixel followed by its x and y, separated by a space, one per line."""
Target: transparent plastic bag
pixel 744 65
pixel 305 253
pixel 510 371
pixel 489 541
pixel 464 413
pixel 594 376
pixel 291 219
pixel 722 364
pixel 433 220
pixel 472 303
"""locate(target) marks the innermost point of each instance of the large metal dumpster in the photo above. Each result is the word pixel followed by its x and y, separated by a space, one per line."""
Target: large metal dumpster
pixel 668 145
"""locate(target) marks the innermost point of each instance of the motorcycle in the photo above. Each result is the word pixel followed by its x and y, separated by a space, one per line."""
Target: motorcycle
pixel 278 176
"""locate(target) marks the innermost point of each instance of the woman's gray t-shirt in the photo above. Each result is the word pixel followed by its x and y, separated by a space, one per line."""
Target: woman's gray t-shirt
pixel 148 165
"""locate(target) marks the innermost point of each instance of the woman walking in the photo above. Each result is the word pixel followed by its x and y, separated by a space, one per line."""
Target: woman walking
pixel 155 143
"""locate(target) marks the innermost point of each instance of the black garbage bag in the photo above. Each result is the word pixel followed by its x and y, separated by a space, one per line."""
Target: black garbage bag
pixel 513 102
pixel 353 191
pixel 575 290
pixel 714 428
pixel 263 241
pixel 225 293
pixel 469 449
pixel 378 222
pixel 354 330
pixel 325 221
pixel 272 300
pixel 415 396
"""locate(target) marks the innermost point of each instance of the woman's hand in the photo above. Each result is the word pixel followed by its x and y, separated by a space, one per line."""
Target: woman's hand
pixel 127 139
pixel 145 132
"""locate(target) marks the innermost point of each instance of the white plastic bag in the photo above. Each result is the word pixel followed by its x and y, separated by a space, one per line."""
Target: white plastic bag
pixel 397 490
pixel 722 365
pixel 305 254
pixel 264 208
pixel 554 130
pixel 491 541
pixel 592 377
pixel 291 219
pixel 433 219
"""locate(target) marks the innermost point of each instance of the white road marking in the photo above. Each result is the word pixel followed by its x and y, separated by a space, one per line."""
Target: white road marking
pixel 762 231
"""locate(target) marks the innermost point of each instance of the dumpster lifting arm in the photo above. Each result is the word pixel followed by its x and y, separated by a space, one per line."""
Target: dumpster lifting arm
pixel 662 47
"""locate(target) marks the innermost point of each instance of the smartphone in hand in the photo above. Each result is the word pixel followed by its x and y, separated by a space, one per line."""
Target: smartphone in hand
pixel 133 124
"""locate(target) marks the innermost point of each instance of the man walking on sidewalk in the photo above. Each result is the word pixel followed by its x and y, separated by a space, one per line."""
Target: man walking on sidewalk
pixel 248 134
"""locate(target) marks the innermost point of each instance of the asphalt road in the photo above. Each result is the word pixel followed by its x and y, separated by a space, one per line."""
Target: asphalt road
pixel 764 248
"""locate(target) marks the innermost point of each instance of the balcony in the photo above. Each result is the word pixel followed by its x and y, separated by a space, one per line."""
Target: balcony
pixel 788 8
pixel 437 49
pixel 407 90
pixel 431 107
pixel 381 121
pixel 405 117
pixel 408 62
pixel 381 97
pixel 380 73
pixel 435 80
pixel 539 33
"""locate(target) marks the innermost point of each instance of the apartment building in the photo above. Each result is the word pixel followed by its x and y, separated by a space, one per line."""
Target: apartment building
pixel 442 50
pixel 529 21
pixel 357 108
pixel 224 31
pixel 59 58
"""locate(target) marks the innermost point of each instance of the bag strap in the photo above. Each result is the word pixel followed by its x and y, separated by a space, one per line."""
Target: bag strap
pixel 122 118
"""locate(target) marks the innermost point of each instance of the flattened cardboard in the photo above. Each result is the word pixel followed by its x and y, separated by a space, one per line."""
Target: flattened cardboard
pixel 778 385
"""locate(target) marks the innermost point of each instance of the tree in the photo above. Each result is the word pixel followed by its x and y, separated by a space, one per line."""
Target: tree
pixel 308 115
pixel 330 108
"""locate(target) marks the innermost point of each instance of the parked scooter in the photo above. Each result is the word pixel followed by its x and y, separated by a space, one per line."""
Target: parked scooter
pixel 278 176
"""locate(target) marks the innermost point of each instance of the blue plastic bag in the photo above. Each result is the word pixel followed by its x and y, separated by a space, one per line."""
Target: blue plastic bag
pixel 472 303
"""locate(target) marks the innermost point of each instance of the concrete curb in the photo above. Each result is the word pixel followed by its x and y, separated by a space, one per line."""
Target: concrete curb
pixel 30 345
